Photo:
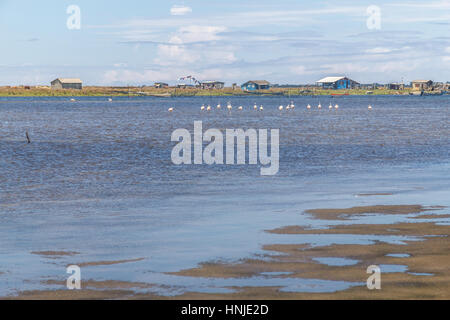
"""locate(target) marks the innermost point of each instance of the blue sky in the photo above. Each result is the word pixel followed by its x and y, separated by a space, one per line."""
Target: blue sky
pixel 139 42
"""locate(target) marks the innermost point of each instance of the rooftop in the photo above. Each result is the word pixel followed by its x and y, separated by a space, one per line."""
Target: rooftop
pixel 330 79
pixel 69 80
pixel 259 82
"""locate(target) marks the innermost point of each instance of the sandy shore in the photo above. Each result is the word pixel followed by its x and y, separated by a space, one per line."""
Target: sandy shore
pixel 427 262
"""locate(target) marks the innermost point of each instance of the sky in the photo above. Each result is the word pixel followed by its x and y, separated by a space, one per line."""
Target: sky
pixel 139 42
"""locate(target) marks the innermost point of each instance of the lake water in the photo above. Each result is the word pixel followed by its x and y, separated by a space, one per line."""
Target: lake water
pixel 98 179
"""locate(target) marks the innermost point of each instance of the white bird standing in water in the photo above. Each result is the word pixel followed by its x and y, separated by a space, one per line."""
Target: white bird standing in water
pixel 319 106
pixel 255 107
pixel 202 107
pixel 288 107
pixel 261 108
pixel 72 100
pixel 280 108
pixel 241 108
pixel 370 107
pixel 292 106
pixel 309 106
pixel 219 106
pixel 110 100
pixel 330 107
pixel 209 108
pixel 229 106
pixel 170 109
pixel 336 106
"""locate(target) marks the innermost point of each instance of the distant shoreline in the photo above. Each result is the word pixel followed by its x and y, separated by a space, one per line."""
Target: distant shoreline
pixel 191 92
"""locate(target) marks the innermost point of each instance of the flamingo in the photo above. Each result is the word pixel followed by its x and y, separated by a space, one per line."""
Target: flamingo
pixel 309 106
pixel 255 107
pixel 370 107
pixel 280 108
pixel 208 109
pixel 241 108
pixel 336 106
pixel 319 106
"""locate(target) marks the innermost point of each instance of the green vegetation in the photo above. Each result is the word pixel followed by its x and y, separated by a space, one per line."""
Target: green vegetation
pixel 184 92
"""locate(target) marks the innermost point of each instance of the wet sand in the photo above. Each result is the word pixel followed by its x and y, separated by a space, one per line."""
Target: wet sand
pixel 346 214
pixel 55 254
pixel 107 263
pixel 428 256
pixel 427 261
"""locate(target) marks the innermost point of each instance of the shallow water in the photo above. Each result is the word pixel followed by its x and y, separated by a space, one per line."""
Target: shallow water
pixel 97 179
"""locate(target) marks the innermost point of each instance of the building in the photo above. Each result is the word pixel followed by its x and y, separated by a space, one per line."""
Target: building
pixel 254 85
pixel 396 86
pixel 159 85
pixel 338 83
pixel 212 85
pixel 63 83
pixel 422 84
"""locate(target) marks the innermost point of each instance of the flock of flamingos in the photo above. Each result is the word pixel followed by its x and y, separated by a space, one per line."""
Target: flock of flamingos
pixel 290 106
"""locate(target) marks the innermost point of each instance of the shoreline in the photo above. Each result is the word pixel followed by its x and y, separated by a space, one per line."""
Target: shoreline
pixel 425 263
pixel 6 92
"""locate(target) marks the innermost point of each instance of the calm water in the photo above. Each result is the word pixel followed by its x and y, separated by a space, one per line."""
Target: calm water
pixel 98 179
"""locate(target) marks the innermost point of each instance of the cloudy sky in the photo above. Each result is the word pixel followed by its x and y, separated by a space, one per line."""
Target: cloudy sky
pixel 139 42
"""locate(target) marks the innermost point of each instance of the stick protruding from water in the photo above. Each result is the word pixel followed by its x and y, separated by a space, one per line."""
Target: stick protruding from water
pixel 28 137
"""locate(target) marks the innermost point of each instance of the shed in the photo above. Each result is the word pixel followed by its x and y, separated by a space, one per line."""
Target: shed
pixel 422 84
pixel 210 84
pixel 338 83
pixel 67 83
pixel 254 85
pixel 160 85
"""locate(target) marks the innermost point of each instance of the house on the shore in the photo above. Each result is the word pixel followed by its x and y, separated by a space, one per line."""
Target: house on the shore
pixel 254 85
pixel 396 86
pixel 160 85
pixel 211 84
pixel 338 83
pixel 422 84
pixel 66 83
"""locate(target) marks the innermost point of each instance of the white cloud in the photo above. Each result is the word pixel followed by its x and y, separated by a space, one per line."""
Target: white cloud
pixel 299 70
pixel 120 65
pixel 378 50
pixel 180 10
pixel 196 33
pixel 425 4
pixel 190 44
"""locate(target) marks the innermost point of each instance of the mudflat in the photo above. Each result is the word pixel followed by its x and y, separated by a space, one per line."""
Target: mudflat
pixel 424 262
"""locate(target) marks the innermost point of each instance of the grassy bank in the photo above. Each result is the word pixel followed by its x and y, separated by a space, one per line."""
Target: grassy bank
pixel 178 92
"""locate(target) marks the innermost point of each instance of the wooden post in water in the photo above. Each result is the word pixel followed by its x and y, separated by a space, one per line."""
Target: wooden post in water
pixel 28 137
